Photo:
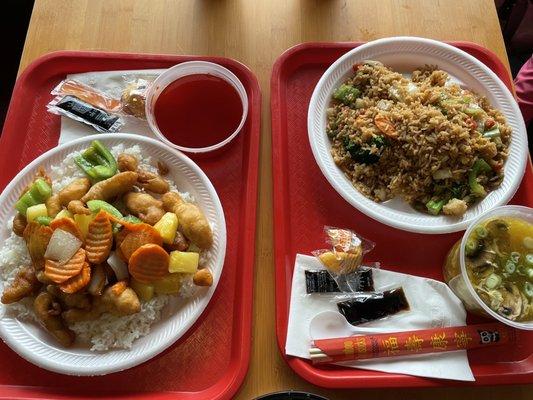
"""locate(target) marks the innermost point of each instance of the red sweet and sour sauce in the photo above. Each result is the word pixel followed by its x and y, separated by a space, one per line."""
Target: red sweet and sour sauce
pixel 198 111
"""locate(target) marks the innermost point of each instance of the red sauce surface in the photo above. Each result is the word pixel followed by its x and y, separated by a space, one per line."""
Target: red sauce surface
pixel 198 111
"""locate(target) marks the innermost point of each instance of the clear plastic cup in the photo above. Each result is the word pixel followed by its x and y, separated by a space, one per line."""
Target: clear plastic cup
pixel 456 276
pixel 193 68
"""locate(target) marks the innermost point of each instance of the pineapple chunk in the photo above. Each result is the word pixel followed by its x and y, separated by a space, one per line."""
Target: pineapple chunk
pixel 167 227
pixel 144 291
pixel 36 211
pixel 83 222
pixel 64 214
pixel 170 284
pixel 183 262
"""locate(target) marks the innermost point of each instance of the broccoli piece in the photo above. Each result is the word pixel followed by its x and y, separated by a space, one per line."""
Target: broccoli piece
pixel 379 141
pixel 362 154
pixel 480 167
pixel 435 206
pixel 346 94
pixel 359 154
pixel 457 191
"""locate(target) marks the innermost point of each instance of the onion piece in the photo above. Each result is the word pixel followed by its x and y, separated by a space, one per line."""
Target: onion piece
pixel 395 93
pixel 62 246
pixel 411 88
pixel 98 281
pixel 384 105
pixel 120 268
pixel 440 174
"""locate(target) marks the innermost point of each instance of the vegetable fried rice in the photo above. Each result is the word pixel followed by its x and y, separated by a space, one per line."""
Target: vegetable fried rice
pixel 436 145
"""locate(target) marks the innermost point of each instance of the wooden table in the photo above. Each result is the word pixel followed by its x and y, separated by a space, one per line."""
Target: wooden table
pixel 256 32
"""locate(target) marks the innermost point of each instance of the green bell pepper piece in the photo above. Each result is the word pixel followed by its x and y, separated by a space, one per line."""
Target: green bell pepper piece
pixel 38 193
pixel 97 162
pixel 97 205
pixel 43 220
pixel 132 219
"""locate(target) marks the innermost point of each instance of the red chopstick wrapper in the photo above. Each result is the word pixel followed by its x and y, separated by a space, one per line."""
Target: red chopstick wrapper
pixel 424 341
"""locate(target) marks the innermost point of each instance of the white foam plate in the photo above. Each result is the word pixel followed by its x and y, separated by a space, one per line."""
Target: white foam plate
pixel 404 54
pixel 37 346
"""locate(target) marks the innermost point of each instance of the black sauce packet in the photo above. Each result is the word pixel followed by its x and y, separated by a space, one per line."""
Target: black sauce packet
pixel 79 110
pixel 322 282
pixel 366 308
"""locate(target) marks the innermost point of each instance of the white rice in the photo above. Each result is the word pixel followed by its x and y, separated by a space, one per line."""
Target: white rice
pixel 108 331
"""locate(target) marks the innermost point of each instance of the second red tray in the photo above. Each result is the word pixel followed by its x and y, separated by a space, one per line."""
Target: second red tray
pixel 304 202
pixel 211 360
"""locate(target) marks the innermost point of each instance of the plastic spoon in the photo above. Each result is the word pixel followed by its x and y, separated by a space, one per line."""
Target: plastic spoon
pixel 331 324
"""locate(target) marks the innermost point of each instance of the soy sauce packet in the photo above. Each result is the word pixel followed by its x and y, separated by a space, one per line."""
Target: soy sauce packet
pixel 89 94
pixel 321 281
pixel 371 307
pixel 79 110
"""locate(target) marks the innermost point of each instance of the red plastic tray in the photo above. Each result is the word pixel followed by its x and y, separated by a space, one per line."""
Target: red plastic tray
pixel 210 362
pixel 304 202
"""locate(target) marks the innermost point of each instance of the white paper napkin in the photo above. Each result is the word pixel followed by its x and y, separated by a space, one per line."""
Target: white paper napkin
pixel 432 303
pixel 113 83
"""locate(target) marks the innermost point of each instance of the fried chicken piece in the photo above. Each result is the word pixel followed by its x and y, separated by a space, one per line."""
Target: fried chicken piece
pixel 78 207
pixel 118 300
pixel 80 301
pixel 147 180
pixel 144 206
pixel 203 277
pixel 73 191
pixel 41 277
pixel 192 220
pixel 180 243
pixel 53 205
pixel 127 162
pixel 25 284
pixel 37 237
pixel 48 313
pixel 19 224
pixel 152 182
pixel 109 188
pixel 162 168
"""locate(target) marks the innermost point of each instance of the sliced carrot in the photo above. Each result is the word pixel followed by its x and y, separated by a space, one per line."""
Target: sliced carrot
pixel 124 223
pixel 59 273
pixel 120 236
pixel 37 237
pixel 77 282
pixel 141 235
pixel 99 238
pixel 149 263
pixel 385 126
pixel 67 224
